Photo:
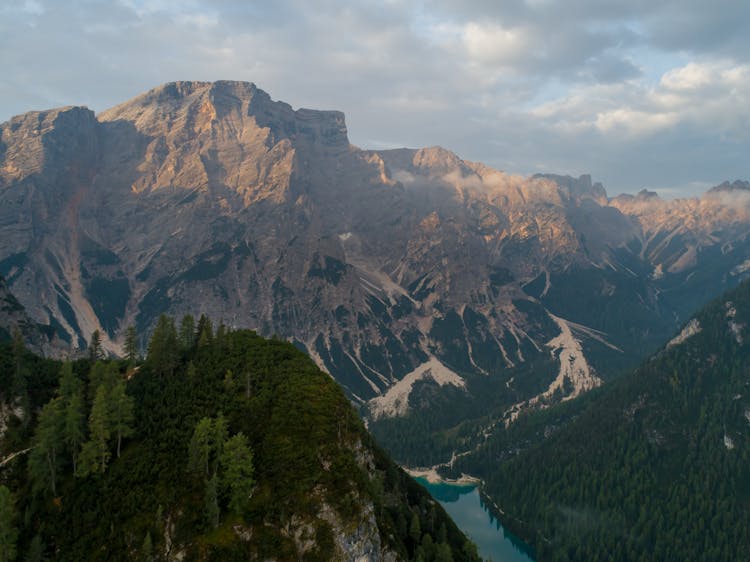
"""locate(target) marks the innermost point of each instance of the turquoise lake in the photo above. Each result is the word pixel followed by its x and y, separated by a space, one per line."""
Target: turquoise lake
pixel 464 505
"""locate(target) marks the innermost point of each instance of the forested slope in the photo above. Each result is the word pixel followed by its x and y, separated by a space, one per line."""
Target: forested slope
pixel 654 466
pixel 231 447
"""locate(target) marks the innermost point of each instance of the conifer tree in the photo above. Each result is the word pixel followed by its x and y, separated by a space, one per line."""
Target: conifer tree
pixel 237 472
pixel 205 331
pixel 219 434
pixel 162 349
pixel 48 441
pixel 97 375
pixel 122 412
pixel 95 453
pixel 69 382
pixel 187 333
pixel 131 346
pixel 199 451
pixel 95 346
pixel 74 427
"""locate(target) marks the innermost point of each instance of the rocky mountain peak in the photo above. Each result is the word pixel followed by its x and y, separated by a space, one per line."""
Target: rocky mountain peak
pixel 731 187
pixel 580 188
pixel 39 140
pixel 226 104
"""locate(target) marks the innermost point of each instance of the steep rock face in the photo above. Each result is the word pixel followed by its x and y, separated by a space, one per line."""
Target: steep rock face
pixel 40 338
pixel 212 198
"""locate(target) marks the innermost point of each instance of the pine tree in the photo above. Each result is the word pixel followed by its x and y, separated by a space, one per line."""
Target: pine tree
pixel 131 346
pixel 97 375
pixel 205 331
pixel 95 346
pixel 237 472
pixel 199 451
pixel 69 382
pixel 187 333
pixel 95 453
pixel 122 413
pixel 74 427
pixel 219 434
pixel 8 530
pixel 48 442
pixel 162 349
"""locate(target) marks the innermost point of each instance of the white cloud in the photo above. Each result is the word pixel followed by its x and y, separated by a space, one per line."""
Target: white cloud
pixel 494 44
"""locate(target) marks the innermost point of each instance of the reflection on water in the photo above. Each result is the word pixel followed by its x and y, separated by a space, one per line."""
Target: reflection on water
pixel 463 503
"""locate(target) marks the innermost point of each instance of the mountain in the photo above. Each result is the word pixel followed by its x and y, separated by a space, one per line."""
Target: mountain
pixel 654 466
pixel 408 274
pixel 13 318
pixel 235 448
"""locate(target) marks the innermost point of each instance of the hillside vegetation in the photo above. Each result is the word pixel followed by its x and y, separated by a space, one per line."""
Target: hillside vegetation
pixel 220 446
pixel 654 466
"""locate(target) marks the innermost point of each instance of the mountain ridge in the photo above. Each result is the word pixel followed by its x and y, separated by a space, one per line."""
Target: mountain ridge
pixel 375 262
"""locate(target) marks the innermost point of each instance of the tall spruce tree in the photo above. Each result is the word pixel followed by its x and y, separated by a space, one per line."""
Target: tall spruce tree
pixel 187 333
pixel 74 432
pixel 95 453
pixel 199 450
pixel 162 349
pixel 70 384
pixel 122 413
pixel 131 348
pixel 237 472
pixel 95 346
pixel 48 443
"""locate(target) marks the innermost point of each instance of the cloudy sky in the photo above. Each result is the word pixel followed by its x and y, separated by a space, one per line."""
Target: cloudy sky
pixel 639 93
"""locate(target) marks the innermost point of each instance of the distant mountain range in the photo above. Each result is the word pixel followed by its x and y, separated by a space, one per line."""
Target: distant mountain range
pixel 400 271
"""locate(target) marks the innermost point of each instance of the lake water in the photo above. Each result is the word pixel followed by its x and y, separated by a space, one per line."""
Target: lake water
pixel 463 504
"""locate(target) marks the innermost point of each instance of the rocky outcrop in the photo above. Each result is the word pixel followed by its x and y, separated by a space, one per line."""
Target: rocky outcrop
pixel 200 197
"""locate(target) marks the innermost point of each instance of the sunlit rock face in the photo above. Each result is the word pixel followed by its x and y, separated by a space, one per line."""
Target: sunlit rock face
pixel 200 197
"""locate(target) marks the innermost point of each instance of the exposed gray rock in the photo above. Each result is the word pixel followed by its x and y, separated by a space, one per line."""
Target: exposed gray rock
pixel 200 197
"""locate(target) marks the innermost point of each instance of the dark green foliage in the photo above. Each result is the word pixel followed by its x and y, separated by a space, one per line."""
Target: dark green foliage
pixel 121 411
pixel 654 466
pixel 162 349
pixel 95 454
pixel 95 346
pixel 132 349
pixel 187 333
pixel 8 529
pixel 47 447
pixel 237 472
pixel 275 458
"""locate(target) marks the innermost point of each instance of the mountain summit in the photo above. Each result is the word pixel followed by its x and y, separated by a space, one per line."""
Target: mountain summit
pixel 396 270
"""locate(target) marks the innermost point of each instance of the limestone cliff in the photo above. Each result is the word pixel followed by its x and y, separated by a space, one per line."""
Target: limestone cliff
pixel 200 197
